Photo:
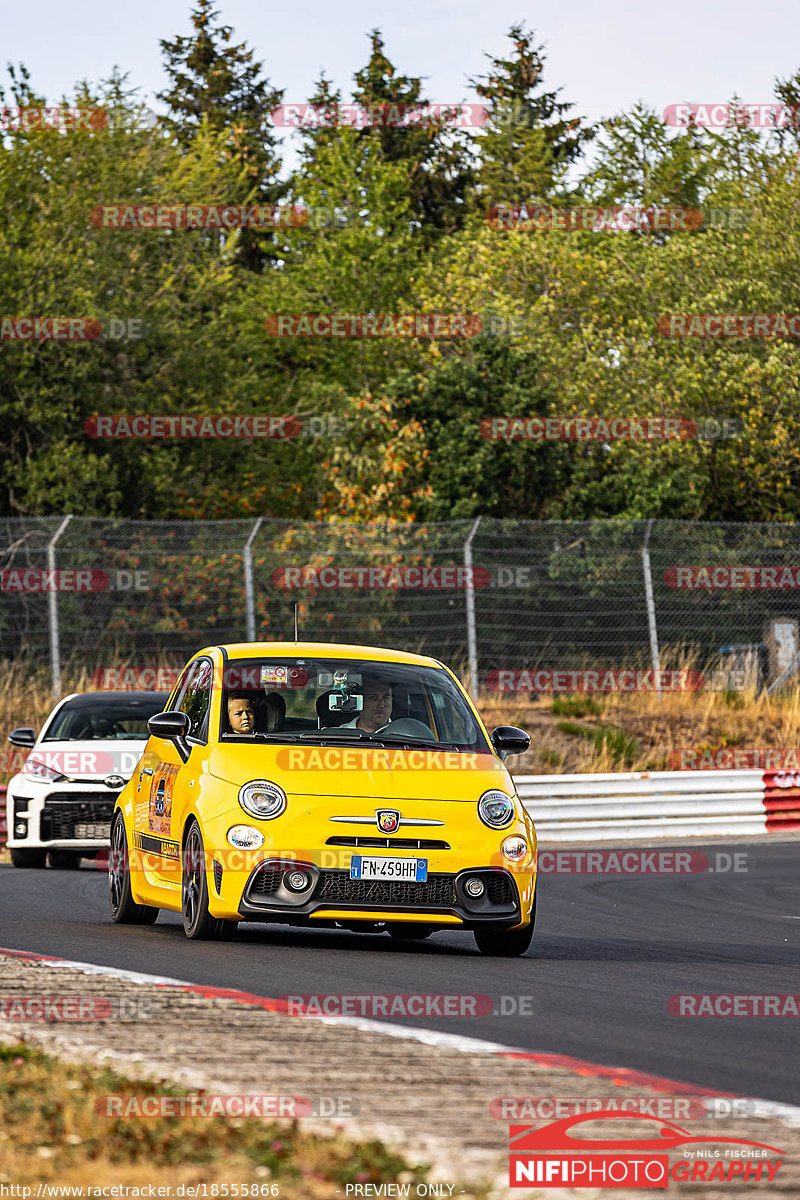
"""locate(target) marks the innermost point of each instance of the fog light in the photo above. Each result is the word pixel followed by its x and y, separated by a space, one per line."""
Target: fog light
pixel 475 887
pixel 21 829
pixel 297 881
pixel 514 849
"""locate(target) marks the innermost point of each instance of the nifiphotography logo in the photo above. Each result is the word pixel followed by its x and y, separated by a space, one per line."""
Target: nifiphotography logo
pixel 561 1155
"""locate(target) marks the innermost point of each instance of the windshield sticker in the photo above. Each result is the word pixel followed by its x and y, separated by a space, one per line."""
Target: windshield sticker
pixel 279 676
pixel 275 676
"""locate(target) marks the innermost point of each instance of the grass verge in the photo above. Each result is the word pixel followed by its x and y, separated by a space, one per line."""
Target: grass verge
pixel 51 1133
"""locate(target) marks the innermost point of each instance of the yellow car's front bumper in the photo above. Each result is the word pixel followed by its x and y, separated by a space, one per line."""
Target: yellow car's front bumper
pixel 262 894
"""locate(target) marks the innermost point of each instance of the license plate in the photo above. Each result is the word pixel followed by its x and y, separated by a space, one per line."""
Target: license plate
pixel 406 870
pixel 94 830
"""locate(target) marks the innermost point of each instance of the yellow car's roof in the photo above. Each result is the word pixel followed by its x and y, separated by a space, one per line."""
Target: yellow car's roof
pixel 323 650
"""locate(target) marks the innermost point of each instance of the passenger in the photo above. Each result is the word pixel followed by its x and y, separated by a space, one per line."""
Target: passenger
pixel 241 714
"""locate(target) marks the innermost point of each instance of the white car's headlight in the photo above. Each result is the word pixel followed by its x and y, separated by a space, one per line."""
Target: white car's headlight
pixel 34 769
pixel 262 799
pixel 496 809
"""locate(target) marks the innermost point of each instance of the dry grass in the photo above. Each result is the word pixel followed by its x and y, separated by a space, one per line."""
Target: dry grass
pixel 639 732
pixel 50 1132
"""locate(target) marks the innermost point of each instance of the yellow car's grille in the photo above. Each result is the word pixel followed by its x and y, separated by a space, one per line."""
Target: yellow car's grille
pixel 336 887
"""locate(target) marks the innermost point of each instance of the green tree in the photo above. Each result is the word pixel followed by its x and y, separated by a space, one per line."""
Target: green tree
pixel 640 162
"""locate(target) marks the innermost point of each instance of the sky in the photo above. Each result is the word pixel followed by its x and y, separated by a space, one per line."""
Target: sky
pixel 605 54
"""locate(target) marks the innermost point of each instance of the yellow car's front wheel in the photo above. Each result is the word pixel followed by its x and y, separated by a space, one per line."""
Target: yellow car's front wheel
pixel 124 909
pixel 506 943
pixel 198 923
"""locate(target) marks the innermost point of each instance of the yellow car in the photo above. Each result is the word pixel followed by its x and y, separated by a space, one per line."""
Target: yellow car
pixel 325 785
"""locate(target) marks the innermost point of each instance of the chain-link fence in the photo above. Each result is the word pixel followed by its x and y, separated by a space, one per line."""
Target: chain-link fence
pixel 485 596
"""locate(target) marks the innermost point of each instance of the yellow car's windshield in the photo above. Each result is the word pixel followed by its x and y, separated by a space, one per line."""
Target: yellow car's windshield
pixel 296 699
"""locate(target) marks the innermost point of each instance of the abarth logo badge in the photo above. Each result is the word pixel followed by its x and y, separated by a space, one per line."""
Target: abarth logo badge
pixel 388 819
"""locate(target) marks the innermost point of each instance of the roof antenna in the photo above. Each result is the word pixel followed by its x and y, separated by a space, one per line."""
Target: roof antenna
pixel 295 620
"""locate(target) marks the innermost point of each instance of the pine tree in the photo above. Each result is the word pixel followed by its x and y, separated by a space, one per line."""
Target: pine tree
pixel 221 84
pixel 530 138
pixel 436 155
pixel 323 131
pixel 788 92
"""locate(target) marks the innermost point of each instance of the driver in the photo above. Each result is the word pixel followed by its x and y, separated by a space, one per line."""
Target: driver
pixel 377 710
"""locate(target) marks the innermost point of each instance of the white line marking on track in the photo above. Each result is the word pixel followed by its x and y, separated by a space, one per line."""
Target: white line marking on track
pixel 788 1114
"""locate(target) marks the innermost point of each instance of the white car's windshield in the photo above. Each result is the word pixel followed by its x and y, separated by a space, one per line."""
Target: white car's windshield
pixel 296 699
pixel 97 717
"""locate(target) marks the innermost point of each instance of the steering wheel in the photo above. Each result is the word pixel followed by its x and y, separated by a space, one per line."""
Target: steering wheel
pixel 407 727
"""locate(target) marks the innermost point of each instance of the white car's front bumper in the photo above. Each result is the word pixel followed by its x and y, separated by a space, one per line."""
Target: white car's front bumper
pixel 65 815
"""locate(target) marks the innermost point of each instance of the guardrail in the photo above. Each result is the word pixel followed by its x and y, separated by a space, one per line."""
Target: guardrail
pixel 594 808
pixel 573 808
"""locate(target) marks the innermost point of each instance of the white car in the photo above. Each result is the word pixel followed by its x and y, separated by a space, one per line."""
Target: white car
pixel 59 805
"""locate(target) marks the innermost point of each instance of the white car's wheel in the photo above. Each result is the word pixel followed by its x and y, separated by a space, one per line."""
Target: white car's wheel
pixel 30 859
pixel 64 860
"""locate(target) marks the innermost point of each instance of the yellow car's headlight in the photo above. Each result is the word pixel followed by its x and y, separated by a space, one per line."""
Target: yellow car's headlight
pixel 496 809
pixel 262 799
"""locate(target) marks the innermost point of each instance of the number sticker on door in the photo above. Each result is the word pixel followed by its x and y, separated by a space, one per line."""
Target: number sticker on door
pixel 160 811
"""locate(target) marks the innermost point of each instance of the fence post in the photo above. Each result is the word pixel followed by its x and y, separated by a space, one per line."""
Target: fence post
pixel 249 598
pixel 472 633
pixel 52 609
pixel 651 607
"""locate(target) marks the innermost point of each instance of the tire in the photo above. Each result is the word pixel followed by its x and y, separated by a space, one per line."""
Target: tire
pixel 64 860
pixel 124 909
pixel 198 924
pixel 502 942
pixel 29 859
pixel 409 932
pixel 226 930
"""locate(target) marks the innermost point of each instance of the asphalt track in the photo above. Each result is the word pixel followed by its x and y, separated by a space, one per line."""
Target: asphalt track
pixel 608 953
